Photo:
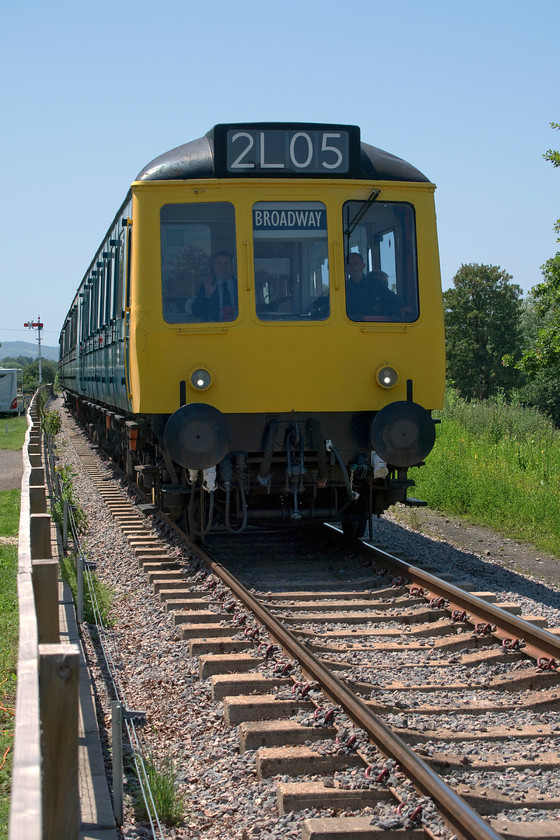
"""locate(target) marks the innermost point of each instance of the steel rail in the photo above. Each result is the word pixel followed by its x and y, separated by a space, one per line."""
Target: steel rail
pixel 464 820
pixel 541 640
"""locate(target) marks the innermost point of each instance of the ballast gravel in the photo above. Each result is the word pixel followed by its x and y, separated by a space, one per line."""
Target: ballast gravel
pixel 223 798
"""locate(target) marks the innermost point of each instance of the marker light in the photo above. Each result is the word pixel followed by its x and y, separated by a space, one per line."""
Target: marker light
pixel 201 379
pixel 387 376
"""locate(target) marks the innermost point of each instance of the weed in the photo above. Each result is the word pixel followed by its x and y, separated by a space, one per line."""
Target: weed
pixel 51 423
pixel 97 603
pixel 66 476
pixel 408 516
pixel 162 777
pixel 414 519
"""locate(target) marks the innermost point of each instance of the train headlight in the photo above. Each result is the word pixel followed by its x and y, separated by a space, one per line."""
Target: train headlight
pixel 201 379
pixel 387 376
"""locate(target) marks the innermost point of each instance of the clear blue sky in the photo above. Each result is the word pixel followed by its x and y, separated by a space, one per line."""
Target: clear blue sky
pixel 93 92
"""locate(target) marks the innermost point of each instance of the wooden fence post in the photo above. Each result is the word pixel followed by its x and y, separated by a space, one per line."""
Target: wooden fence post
pixel 59 667
pixel 38 499
pixel 45 590
pixel 40 529
pixel 37 476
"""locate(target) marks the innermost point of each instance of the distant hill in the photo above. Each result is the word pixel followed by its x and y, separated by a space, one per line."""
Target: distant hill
pixel 13 349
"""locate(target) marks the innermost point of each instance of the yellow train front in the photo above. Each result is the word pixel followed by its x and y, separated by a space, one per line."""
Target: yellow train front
pixel 260 335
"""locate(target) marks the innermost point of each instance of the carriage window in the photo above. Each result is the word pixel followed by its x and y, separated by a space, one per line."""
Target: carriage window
pixel 380 261
pixel 198 272
pixel 291 261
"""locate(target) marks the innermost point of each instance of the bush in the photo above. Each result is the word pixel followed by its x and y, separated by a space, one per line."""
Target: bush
pixel 51 423
pixel 497 465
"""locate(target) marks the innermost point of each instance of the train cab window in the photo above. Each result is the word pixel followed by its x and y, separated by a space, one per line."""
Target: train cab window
pixel 198 275
pixel 380 261
pixel 291 261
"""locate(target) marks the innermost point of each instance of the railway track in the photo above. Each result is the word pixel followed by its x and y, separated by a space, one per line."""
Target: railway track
pixel 374 692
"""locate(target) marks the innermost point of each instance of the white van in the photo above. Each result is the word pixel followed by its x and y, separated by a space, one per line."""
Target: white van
pixel 9 390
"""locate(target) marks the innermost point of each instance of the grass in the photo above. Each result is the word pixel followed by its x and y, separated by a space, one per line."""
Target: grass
pixel 102 595
pixel 97 595
pixel 66 478
pixel 12 432
pixel 162 777
pixel 498 465
pixel 9 524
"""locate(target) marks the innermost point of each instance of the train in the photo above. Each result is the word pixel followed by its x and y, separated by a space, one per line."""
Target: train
pixel 259 337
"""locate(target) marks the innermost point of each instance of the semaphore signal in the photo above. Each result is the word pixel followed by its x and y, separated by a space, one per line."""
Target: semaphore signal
pixel 37 325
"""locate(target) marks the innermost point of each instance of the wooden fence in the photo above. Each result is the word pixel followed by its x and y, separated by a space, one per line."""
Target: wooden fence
pixel 45 794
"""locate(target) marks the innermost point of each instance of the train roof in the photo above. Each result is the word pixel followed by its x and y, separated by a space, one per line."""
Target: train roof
pixel 202 158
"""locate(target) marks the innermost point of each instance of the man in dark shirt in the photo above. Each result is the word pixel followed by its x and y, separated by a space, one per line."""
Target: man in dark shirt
pixel 368 298
pixel 357 288
pixel 217 296
pixel 384 304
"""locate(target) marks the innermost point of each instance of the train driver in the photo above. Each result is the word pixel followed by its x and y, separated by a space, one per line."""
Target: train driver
pixel 357 289
pixel 216 299
pixel 368 298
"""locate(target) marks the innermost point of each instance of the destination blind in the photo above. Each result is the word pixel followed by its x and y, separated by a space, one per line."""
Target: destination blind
pixel 250 150
pixel 300 219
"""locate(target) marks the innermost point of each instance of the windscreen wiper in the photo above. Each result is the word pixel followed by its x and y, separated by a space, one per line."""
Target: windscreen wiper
pixel 352 225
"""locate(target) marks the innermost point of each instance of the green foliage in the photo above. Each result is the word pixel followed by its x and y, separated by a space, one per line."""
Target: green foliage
pixel 65 475
pixel 543 352
pixel 30 370
pixel 100 596
pixel 550 155
pixel 541 357
pixel 96 594
pixel 51 423
pixel 497 465
pixel 41 401
pixel 482 322
pixel 162 777
pixel 542 393
pixel 12 432
pixel 540 388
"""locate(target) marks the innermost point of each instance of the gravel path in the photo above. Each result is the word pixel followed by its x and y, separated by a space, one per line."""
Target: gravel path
pixel 11 469
pixel 482 542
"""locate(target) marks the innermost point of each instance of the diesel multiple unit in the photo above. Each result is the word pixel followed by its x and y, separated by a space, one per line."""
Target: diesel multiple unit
pixel 260 334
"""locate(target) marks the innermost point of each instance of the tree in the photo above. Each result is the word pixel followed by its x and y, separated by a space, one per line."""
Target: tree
pixel 482 323
pixel 30 370
pixel 543 353
pixel 540 388
pixel 553 157
pixel 540 361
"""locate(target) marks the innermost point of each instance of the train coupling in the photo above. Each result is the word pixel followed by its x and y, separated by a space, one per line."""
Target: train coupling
pixel 410 501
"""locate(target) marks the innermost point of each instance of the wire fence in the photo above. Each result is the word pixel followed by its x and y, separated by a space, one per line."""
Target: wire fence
pixel 122 715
